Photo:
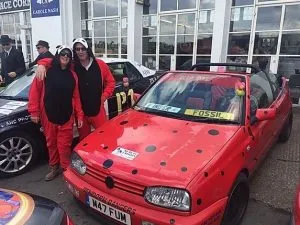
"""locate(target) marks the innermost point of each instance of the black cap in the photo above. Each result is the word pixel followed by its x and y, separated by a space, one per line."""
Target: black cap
pixel 5 39
pixel 43 43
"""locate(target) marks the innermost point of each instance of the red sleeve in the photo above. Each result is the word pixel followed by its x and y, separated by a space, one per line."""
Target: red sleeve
pixel 35 95
pixel 76 99
pixel 107 78
pixel 45 62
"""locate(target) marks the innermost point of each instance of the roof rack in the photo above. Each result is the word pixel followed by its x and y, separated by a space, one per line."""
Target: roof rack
pixel 255 68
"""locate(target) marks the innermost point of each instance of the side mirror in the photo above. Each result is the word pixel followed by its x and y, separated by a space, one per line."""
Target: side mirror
pixel 265 114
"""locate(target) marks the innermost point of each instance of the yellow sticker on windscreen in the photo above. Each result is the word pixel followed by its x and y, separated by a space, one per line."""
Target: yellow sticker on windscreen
pixel 209 114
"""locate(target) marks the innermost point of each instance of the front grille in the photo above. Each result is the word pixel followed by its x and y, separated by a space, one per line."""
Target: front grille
pixel 121 184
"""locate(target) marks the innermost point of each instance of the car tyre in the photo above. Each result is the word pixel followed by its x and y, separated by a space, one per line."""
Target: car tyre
pixel 286 130
pixel 237 202
pixel 20 151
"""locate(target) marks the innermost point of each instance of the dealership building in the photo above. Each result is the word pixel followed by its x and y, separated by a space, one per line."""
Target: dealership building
pixel 163 34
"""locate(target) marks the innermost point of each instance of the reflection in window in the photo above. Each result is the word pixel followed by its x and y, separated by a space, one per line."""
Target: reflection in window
pixel 150 7
pixel 241 19
pixel 292 17
pixel 207 4
pixel 112 45
pixel 99 8
pixel 186 23
pixel 167 24
pixel 265 43
pixel 99 28
pixel 183 62
pixel 206 21
pixel 185 44
pixel 164 62
pixel 262 62
pixel 149 45
pixel 166 45
pixel 99 45
pixel 268 18
pixel 124 7
pixel 124 26
pixel 204 44
pixel 238 44
pixel 149 25
pixel 290 43
pixel 168 5
pixel 288 66
pixel 242 2
pixel 123 45
pixel 112 27
pixel 85 30
pixel 149 61
pixel 112 7
pixel 186 4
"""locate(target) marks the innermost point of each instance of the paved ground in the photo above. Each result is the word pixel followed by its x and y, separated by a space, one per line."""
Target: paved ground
pixel 272 187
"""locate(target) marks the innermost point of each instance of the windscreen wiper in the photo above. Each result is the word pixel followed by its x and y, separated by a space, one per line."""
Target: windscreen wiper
pixel 212 120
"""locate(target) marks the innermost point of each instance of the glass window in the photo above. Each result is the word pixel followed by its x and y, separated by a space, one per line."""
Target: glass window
pixel 132 73
pixel 99 45
pixel 166 45
pixel 112 27
pixel 99 8
pixel 149 25
pixel 186 4
pixel 149 45
pixel 263 62
pixel 112 45
pixel 118 70
pixel 183 62
pixel 292 17
pixel 261 89
pixel 167 24
pixel 149 61
pixel 207 4
pixel 288 66
pixel 112 7
pixel 204 44
pixel 164 62
pixel 124 26
pixel 290 43
pixel 186 23
pixel 241 19
pixel 266 43
pixel 268 18
pixel 150 7
pixel 168 5
pixel 124 7
pixel 238 44
pixel 242 2
pixel 85 30
pixel 238 59
pixel 206 21
pixel 123 45
pixel 99 28
pixel 185 44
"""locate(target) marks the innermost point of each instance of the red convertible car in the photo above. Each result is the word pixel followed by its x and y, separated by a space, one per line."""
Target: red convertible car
pixel 184 152
pixel 296 214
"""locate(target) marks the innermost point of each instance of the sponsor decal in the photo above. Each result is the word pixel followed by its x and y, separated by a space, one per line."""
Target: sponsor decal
pixel 209 114
pixel 165 108
pixel 10 106
pixel 125 153
pixel 15 121
pixel 44 8
pixel 14 5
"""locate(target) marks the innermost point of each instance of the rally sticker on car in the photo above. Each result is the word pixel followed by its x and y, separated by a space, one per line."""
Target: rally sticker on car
pixel 209 114
pixel 125 153
pixel 10 106
pixel 165 108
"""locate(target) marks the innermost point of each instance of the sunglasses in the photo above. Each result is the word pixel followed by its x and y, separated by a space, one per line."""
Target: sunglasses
pixel 65 53
pixel 6 44
pixel 80 49
pixel 38 47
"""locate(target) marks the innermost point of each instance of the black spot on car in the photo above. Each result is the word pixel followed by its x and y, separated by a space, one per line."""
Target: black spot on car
pixel 151 148
pixel 199 151
pixel 187 124
pixel 213 132
pixel 145 124
pixel 172 221
pixel 134 171
pixel 183 169
pixel 108 163
pixel 222 173
pixel 85 144
pixel 105 147
pixel 163 163
pixel 199 201
pixel 123 122
pixel 174 131
pixel 101 131
pixel 206 174
pixel 243 154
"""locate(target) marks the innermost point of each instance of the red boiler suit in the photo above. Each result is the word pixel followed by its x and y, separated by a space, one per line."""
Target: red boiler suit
pixel 58 137
pixel 108 86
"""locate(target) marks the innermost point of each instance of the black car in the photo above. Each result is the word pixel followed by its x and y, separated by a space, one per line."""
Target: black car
pixel 21 141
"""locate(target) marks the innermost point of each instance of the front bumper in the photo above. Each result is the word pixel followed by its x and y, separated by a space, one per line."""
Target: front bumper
pixel 144 215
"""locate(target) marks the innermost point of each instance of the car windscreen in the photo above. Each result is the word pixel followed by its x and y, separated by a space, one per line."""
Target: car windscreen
pixel 197 97
pixel 19 88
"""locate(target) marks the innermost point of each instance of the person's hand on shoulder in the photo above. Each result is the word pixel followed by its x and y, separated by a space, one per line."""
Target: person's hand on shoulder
pixel 35 119
pixel 40 72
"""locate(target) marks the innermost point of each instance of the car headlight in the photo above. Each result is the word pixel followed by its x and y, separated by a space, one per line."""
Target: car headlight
pixel 78 164
pixel 167 197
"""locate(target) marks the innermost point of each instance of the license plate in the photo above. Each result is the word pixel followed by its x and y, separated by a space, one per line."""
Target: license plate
pixel 109 211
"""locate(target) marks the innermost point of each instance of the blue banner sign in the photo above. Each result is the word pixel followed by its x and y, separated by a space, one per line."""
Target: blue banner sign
pixel 44 8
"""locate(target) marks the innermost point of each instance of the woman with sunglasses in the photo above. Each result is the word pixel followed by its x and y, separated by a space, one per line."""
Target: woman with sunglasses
pixel 53 102
pixel 95 81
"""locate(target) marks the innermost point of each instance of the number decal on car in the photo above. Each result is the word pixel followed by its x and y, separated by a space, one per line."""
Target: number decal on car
pixel 124 99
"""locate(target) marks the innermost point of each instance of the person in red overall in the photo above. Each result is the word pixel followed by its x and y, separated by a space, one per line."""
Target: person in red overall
pixel 95 81
pixel 54 101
